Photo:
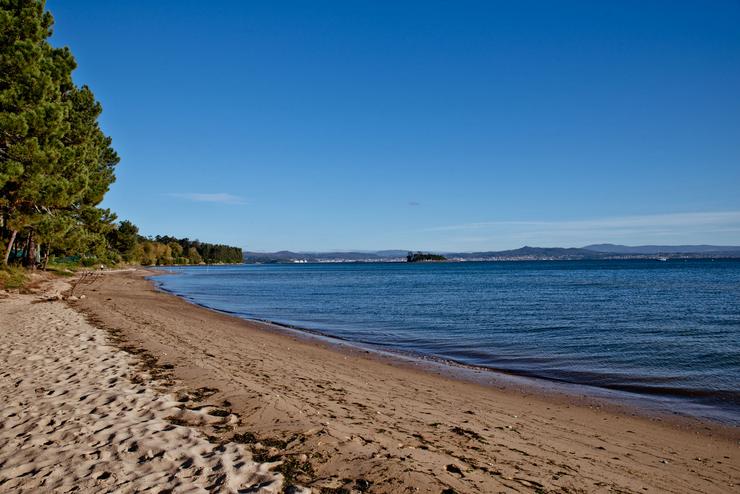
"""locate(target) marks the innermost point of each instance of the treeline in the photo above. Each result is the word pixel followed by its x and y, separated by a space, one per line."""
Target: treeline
pixel 163 250
pixel 132 248
pixel 422 256
pixel 190 250
pixel 56 164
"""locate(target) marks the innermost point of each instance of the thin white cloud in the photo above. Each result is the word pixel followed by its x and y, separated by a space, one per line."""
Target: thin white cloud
pixel 717 228
pixel 218 197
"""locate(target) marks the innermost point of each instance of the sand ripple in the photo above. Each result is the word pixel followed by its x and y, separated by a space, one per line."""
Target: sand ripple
pixel 72 419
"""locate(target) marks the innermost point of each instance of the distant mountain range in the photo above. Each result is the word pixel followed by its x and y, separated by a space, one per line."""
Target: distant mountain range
pixel 661 249
pixel 526 253
pixel 596 251
pixel 288 256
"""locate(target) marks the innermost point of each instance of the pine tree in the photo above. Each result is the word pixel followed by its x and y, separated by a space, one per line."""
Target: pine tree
pixel 124 239
pixel 55 162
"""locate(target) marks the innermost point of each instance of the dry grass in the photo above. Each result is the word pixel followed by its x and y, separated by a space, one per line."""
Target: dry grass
pixel 12 278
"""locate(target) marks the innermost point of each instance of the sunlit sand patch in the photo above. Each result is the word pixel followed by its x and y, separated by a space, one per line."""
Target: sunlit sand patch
pixel 72 418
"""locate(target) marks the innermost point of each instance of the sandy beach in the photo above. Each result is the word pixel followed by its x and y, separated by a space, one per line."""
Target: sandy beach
pixel 81 415
pixel 129 388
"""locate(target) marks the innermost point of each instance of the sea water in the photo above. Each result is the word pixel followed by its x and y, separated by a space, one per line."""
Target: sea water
pixel 643 327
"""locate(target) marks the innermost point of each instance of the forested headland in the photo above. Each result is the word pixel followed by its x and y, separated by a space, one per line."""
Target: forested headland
pixel 56 164
pixel 424 257
pixel 163 249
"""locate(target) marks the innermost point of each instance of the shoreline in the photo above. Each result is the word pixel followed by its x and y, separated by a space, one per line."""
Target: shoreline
pixel 626 401
pixel 368 417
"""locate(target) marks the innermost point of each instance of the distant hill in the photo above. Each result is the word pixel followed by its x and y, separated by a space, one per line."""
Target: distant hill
pixel 288 256
pixel 527 252
pixel 662 249
pixel 391 253
pixel 596 251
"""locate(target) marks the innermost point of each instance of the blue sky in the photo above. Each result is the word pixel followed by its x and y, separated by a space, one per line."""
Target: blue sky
pixel 319 125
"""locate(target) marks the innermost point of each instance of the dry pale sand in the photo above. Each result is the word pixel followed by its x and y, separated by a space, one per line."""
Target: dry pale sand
pixel 345 419
pixel 77 416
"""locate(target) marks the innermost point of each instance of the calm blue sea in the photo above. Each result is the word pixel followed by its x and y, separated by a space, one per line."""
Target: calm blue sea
pixel 663 329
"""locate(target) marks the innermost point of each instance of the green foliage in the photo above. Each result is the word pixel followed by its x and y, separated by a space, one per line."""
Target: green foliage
pixel 209 253
pixel 124 240
pixel 422 257
pixel 12 277
pixel 55 162
pixel 64 266
pixel 194 256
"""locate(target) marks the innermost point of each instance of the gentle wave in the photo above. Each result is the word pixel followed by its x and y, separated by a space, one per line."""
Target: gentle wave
pixel 648 328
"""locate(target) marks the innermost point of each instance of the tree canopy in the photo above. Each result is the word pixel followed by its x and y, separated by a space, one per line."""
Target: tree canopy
pixel 423 257
pixel 163 250
pixel 56 164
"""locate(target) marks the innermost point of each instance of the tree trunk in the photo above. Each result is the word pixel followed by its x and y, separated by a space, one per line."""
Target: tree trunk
pixel 31 252
pixel 46 258
pixel 24 249
pixel 10 247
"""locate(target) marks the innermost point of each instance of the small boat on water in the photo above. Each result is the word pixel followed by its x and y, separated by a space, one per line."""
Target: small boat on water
pixel 662 258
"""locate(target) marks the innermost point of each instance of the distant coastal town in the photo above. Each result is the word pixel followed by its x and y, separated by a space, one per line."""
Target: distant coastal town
pixel 595 252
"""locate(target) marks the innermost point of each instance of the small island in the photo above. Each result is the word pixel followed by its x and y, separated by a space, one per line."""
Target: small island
pixel 424 257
